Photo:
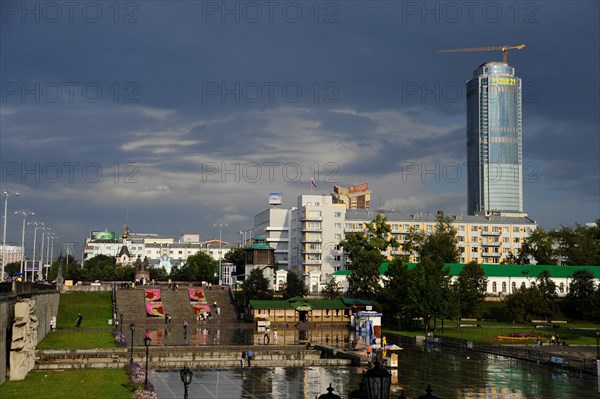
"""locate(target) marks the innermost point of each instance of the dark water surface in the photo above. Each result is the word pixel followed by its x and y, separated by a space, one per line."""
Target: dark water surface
pixel 452 373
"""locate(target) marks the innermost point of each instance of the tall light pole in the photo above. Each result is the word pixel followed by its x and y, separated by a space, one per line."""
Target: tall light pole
pixel 41 271
pixel 37 225
pixel 6 193
pixel 220 226
pixel 49 237
pixel 23 213
pixel 68 247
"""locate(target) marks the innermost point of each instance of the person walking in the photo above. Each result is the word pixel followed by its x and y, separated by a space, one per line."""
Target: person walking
pixel 79 320
pixel 243 358
pixel 250 355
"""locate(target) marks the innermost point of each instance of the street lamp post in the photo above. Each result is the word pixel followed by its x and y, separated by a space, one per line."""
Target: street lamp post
pixel 23 213
pixel 132 328
pixel 597 346
pixel 37 226
pixel 186 377
pixel 6 194
pixel 220 226
pixel 147 341
pixel 41 272
pixel 377 382
pixel 121 323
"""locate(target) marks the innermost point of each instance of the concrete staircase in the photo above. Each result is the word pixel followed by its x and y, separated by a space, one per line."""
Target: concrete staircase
pixel 131 304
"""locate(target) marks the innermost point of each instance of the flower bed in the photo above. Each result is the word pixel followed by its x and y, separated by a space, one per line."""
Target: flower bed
pixel 137 377
pixel 518 336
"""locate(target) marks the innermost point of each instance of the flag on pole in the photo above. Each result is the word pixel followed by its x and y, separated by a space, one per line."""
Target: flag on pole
pixel 313 182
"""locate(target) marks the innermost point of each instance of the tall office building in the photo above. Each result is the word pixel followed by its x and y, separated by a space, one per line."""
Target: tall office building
pixel 494 140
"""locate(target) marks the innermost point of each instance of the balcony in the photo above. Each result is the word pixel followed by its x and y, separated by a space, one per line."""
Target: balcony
pixel 491 244
pixel 491 233
pixel 306 229
pixel 309 239
pixel 312 261
pixel 491 255
pixel 312 218
pixel 312 251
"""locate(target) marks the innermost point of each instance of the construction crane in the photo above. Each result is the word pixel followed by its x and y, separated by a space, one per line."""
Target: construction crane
pixel 504 50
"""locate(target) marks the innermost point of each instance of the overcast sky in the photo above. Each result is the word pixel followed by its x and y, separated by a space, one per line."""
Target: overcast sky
pixel 173 116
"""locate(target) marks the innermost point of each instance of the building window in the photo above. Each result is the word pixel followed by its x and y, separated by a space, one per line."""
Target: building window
pixel 515 229
pixel 504 286
pixel 561 288
pixel 337 258
pixel 338 214
pixel 338 236
pixel 514 286
pixel 494 286
pixel 338 225
pixel 474 228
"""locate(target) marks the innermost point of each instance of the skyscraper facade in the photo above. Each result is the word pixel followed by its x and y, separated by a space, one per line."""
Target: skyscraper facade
pixel 494 140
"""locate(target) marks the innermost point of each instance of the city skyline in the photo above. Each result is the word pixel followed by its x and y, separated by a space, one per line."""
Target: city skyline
pixel 172 119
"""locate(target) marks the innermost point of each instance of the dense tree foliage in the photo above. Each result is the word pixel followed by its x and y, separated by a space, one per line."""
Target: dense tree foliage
pixel 294 285
pixel 364 282
pixel 579 245
pixel 333 289
pixel 364 250
pixel 439 245
pixel 394 296
pixel 237 257
pixel 198 267
pixel 581 299
pixel 471 286
pixel 256 286
pixel 538 247
pixel 429 294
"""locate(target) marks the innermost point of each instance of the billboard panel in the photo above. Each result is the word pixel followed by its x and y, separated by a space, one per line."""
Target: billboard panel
pixel 104 236
pixel 274 198
pixel 359 187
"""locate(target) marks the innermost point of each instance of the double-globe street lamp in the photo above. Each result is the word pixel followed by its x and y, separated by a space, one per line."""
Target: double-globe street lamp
pixel 220 226
pixel 376 384
pixel 6 193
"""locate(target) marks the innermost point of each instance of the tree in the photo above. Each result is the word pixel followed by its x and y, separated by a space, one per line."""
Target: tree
pixel 376 236
pixel 441 244
pixel 294 285
pixel 256 286
pixel 364 282
pixel 580 245
pixel 539 246
pixel 333 289
pixel 198 267
pixel 394 295
pixel 471 287
pixel 237 256
pixel 579 300
pixel 547 289
pixel 365 251
pixel 429 294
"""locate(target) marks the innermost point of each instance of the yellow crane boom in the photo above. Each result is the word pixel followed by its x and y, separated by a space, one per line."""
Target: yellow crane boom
pixel 504 50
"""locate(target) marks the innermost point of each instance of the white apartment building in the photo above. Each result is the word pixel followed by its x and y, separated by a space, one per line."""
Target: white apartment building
pixel 160 251
pixel 307 237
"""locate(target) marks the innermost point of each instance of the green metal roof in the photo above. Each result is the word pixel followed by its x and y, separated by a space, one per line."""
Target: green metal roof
pixel 499 270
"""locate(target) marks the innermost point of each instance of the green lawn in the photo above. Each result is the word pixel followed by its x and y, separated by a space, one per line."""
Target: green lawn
pixel 95 307
pixel 95 332
pixel 582 334
pixel 81 384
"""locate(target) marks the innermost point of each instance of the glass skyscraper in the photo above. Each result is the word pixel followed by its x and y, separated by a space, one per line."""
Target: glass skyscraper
pixel 494 140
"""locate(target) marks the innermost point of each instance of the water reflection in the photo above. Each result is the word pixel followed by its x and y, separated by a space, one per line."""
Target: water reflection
pixel 452 374
pixel 244 334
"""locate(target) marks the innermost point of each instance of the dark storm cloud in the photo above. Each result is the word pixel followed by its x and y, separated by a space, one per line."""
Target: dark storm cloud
pixel 358 84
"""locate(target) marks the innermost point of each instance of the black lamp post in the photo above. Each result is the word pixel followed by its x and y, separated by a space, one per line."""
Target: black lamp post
pixel 329 394
pixel 186 377
pixel 132 328
pixel 597 347
pixel 147 341
pixel 121 323
pixel 377 382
